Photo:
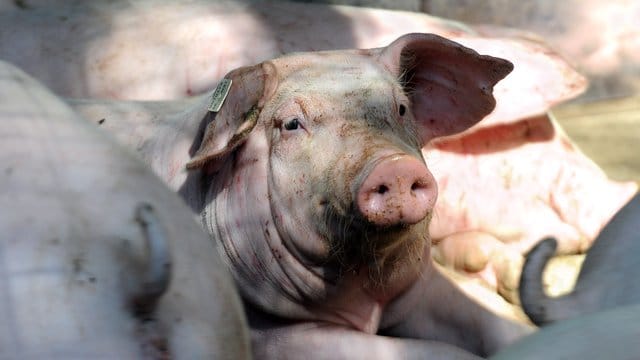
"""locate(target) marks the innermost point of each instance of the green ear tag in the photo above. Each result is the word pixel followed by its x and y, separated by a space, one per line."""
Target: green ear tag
pixel 219 95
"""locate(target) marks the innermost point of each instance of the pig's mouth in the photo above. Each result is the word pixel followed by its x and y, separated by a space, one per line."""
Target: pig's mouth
pixel 384 251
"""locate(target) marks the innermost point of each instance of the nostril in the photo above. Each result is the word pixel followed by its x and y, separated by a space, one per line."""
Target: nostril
pixel 382 189
pixel 418 185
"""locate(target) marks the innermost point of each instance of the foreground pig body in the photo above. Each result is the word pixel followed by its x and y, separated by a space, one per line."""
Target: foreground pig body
pixel 311 180
pixel 98 258
pixel 607 279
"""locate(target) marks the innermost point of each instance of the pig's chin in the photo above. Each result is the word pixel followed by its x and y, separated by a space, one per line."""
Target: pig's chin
pixel 385 253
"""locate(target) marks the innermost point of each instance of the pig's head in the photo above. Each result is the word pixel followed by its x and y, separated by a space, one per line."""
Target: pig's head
pixel 313 170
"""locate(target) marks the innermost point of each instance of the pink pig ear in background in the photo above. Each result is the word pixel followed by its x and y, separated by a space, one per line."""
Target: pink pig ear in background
pixel 450 86
pixel 250 88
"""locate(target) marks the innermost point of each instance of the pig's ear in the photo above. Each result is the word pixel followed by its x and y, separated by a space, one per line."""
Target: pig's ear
pixel 250 88
pixel 450 86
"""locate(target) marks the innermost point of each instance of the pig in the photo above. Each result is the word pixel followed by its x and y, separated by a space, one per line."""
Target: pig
pixel 311 181
pixel 167 49
pixel 607 279
pixel 608 334
pixel 98 258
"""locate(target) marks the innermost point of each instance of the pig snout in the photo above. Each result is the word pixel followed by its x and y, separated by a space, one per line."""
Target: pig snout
pixel 398 190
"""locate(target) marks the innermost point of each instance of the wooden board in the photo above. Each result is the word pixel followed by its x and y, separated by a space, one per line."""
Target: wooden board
pixel 608 132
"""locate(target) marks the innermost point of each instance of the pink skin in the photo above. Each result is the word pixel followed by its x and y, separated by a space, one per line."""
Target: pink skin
pixel 303 249
pixel 399 189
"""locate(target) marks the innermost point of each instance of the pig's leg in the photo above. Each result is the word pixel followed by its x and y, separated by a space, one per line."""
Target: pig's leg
pixel 318 341
pixel 468 251
pixel 482 255
pixel 443 312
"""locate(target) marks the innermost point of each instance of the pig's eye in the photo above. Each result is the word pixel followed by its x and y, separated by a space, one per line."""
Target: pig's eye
pixel 292 124
pixel 402 110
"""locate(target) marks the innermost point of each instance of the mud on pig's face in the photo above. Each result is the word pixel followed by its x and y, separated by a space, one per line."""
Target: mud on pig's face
pixel 341 134
pixel 336 137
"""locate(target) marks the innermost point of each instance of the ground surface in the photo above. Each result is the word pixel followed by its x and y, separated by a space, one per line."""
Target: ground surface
pixel 608 132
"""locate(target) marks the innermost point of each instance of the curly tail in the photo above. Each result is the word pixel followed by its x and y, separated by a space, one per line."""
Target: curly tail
pixel 534 300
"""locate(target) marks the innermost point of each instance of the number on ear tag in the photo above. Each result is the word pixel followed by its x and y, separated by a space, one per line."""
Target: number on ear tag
pixel 219 95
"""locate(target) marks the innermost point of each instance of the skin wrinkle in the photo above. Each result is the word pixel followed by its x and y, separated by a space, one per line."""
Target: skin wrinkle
pixel 290 245
pixel 238 262
pixel 303 295
pixel 286 240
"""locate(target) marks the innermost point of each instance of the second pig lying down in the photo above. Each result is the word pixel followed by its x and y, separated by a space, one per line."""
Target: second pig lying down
pixel 311 181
